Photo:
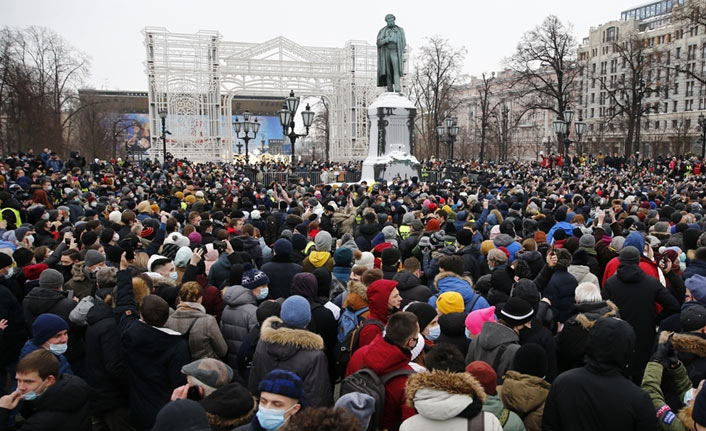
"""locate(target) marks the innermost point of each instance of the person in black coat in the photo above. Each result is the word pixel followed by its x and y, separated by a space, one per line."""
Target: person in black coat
pixel 281 270
pixel 537 333
pixel 106 371
pixel 561 286
pixel 61 401
pixel 635 293
pixel 598 396
pixel 154 354
pixel 469 253
pixel 409 284
pixel 14 335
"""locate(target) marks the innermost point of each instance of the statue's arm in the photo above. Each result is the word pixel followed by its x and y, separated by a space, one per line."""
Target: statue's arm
pixel 403 41
pixel 381 41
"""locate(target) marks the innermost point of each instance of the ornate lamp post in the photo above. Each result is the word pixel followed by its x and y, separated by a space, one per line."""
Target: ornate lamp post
pixel 286 118
pixel 163 117
pixel 579 128
pixel 247 126
pixel 702 124
pixel 448 133
pixel 561 128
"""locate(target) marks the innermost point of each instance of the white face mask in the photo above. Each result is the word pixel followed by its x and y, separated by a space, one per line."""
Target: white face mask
pixel 30 239
pixel 116 237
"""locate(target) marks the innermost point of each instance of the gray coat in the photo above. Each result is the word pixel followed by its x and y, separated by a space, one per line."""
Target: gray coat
pixel 487 345
pixel 205 339
pixel 295 350
pixel 237 320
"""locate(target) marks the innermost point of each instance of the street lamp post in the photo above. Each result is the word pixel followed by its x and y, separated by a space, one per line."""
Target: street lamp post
pixel 286 118
pixel 562 129
pixel 640 94
pixel 449 133
pixel 247 126
pixel 163 117
pixel 702 124
pixel 579 128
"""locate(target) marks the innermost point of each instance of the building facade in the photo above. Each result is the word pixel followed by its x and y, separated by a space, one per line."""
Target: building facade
pixel 639 74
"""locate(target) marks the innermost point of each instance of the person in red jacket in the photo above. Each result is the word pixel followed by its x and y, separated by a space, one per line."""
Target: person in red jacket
pixel 383 300
pixel 647 264
pixel 385 355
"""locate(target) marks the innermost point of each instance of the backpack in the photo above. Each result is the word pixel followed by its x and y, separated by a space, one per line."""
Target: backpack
pixel 365 381
pixel 349 345
pixel 348 322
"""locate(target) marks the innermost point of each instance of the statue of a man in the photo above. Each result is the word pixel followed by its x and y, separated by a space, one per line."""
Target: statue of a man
pixel 391 44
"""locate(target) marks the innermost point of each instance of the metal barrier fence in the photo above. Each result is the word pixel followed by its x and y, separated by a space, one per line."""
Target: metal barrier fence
pixel 311 177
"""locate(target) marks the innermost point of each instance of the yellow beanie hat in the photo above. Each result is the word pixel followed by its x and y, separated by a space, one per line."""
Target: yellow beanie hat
pixel 450 302
pixel 179 195
pixel 486 246
pixel 190 199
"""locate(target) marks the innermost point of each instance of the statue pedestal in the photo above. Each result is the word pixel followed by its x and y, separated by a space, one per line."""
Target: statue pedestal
pixel 391 119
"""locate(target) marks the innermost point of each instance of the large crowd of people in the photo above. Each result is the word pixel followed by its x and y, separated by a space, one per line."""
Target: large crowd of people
pixel 533 296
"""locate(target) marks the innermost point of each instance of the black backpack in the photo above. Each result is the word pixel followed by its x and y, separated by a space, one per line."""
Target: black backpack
pixel 365 381
pixel 349 345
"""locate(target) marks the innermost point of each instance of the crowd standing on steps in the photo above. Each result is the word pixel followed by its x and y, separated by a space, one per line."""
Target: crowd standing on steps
pixel 207 296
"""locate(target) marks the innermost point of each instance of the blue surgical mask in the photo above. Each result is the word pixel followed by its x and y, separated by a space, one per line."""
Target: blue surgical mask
pixel 173 275
pixel 32 395
pixel 434 332
pixel 263 293
pixel 468 333
pixel 271 419
pixel 688 396
pixel 58 349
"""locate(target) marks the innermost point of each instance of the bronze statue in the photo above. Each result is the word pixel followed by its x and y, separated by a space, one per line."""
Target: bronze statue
pixel 391 44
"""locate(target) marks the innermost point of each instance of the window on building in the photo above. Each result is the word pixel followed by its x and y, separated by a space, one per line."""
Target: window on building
pixel 610 34
pixel 674 124
pixel 674 106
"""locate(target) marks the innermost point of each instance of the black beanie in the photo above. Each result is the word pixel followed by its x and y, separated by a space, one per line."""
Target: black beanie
pixel 531 359
pixel 232 402
pixel 464 237
pixel 425 313
pixel 23 256
pixel 390 256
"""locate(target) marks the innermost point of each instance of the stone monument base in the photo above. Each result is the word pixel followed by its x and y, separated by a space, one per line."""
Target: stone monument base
pixel 395 164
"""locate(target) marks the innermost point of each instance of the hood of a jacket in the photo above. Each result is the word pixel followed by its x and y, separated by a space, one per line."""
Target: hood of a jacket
pixel 406 280
pixel 319 258
pixel 378 295
pixel 503 240
pixel 523 393
pixel 237 295
pixel 69 393
pixel 383 357
pixel 368 229
pixel 578 271
pixel 530 256
pixel 99 311
pixel 451 282
pixel 630 273
pixel 589 313
pixel 494 334
pixel 151 340
pixel 442 395
pixel 358 288
pixel 40 300
pixel 610 345
pixel 693 344
pixel 283 343
pixel 355 302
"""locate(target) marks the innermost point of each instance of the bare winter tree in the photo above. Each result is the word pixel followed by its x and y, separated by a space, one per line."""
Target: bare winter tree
pixel 436 82
pixel 544 67
pixel 625 92
pixel 39 77
pixel 689 18
pixel 484 93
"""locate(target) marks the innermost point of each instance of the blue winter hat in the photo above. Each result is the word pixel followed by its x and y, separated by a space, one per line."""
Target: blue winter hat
pixel 254 278
pixel 697 286
pixel 46 326
pixel 284 383
pixel 296 311
pixel 282 247
pixel 636 240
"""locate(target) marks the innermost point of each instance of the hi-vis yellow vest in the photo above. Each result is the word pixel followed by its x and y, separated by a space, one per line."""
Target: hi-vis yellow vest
pixel 18 220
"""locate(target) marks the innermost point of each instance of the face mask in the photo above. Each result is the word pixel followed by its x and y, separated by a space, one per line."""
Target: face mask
pixel 116 237
pixel 173 275
pixel 468 333
pixel 418 348
pixel 434 332
pixel 45 216
pixel 688 396
pixel 32 395
pixel 263 293
pixel 271 419
pixel 94 204
pixel 49 188
pixel 58 349
pixel 30 239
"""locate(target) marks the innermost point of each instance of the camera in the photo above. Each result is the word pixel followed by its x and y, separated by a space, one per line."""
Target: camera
pixel 219 246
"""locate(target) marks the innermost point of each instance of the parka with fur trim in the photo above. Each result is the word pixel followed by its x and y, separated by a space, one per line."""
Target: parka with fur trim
pixel 296 350
pixel 446 400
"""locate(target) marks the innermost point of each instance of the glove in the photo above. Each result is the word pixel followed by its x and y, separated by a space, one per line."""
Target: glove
pixel 661 355
pixel 672 355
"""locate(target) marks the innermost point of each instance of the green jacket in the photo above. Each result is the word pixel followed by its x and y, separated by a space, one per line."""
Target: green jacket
pixel 495 406
pixel 651 383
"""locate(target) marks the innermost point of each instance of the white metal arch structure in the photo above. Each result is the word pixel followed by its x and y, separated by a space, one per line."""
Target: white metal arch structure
pixel 195 77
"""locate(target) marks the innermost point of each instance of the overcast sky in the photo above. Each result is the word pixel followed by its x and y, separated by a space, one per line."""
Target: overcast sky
pixel 111 32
